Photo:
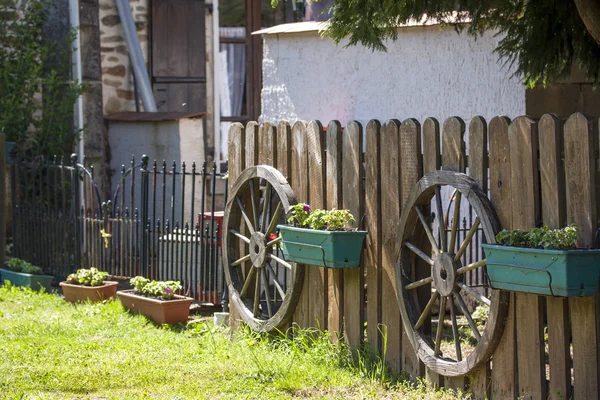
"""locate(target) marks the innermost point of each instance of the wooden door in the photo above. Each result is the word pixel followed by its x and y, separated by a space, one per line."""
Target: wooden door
pixel 179 55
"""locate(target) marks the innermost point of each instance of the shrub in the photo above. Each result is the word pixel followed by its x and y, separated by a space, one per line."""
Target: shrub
pixel 541 238
pixel 88 277
pixel 162 289
pixel 18 265
pixel 332 220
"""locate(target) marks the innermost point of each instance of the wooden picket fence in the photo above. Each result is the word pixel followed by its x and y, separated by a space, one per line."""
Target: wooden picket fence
pixel 535 171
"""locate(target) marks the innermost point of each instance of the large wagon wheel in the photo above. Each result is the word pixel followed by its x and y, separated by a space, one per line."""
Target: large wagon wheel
pixel 430 272
pixel 264 288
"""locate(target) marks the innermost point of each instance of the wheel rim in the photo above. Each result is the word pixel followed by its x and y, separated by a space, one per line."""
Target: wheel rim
pixel 264 288
pixel 431 271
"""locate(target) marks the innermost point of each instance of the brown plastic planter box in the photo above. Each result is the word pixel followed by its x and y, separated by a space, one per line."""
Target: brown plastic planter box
pixel 76 293
pixel 159 311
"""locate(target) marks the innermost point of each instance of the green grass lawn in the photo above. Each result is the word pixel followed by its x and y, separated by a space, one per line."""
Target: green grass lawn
pixel 55 350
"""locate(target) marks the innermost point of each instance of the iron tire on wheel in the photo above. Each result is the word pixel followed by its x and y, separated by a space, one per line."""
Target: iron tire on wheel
pixel 266 304
pixel 446 274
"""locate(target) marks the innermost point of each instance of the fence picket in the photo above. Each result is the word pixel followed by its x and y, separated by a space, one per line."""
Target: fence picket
pixel 553 214
pixel 373 223
pixel 504 368
pixel 299 164
pixel 353 199
pixel 580 167
pixel 267 144
pixel 333 164
pixel 317 277
pixel 526 214
pixel 391 208
pixel 284 149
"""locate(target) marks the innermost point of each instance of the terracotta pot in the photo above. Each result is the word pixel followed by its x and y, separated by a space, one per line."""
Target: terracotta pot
pixel 160 311
pixel 76 293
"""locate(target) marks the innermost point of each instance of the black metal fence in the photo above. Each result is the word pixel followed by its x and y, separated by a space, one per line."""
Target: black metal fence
pixel 161 222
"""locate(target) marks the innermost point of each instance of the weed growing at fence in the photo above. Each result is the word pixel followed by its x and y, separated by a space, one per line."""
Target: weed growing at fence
pixel 53 349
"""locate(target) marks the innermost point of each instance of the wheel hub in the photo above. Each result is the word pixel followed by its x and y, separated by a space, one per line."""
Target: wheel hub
pixel 444 273
pixel 258 249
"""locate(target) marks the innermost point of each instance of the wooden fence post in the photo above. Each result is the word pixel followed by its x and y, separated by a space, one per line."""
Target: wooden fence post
pixel 2 197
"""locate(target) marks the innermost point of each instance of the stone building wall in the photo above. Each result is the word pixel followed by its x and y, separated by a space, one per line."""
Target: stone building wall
pixel 118 94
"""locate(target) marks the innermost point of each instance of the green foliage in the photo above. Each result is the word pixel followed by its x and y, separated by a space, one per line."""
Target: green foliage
pixel 332 220
pixel 88 277
pixel 481 314
pixel 161 289
pixel 36 106
pixel 542 238
pixel 542 38
pixel 18 265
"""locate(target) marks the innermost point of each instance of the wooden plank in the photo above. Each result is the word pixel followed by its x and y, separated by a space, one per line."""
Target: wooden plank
pixel 479 380
pixel 317 278
pixel 526 213
pixel 284 149
pixel 373 224
pixel 267 144
pixel 552 184
pixel 431 162
pixel 353 199
pixel 453 159
pixel 251 157
pixel 299 168
pixel 335 290
pixel 411 170
pixel 390 207
pixel 453 144
pixel 580 147
pixel 504 368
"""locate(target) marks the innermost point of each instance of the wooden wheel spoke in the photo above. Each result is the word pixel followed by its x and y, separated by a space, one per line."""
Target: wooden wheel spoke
pixel 465 310
pixel 254 204
pixel 419 252
pixel 274 241
pixel 274 218
pixel 266 205
pixel 427 309
pixel 279 260
pixel 440 327
pixel 276 282
pixel 267 296
pixel 455 221
pixel 244 215
pixel 434 245
pixel 240 236
pixel 455 331
pixel 419 283
pixel 256 297
pixel 441 224
pixel 465 243
pixel 471 267
pixel 247 282
pixel 241 260
pixel 475 295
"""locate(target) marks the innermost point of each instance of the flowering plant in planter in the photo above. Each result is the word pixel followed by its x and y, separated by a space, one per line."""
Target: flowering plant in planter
pixel 320 237
pixel 156 300
pixel 22 273
pixel 542 261
pixel 88 284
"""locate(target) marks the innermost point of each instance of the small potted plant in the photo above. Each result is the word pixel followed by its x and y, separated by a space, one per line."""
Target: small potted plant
pixel 319 237
pixel 542 261
pixel 21 273
pixel 88 284
pixel 156 300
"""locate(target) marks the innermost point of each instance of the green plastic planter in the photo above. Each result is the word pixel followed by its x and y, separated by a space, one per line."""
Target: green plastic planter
pixel 332 249
pixel 564 273
pixel 36 282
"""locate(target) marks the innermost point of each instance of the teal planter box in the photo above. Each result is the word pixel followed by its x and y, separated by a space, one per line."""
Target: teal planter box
pixel 36 282
pixel 564 273
pixel 332 249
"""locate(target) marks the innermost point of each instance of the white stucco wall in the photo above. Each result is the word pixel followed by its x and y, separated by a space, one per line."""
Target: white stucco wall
pixel 428 72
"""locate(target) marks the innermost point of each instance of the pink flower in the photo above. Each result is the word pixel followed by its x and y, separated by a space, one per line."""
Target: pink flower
pixel 306 208
pixel 168 291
